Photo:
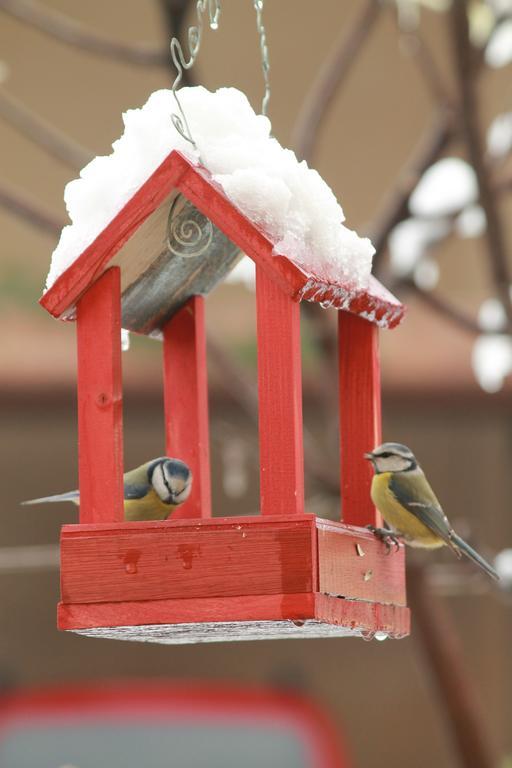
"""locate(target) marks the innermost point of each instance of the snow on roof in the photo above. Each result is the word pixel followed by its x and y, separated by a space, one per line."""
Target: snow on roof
pixel 288 200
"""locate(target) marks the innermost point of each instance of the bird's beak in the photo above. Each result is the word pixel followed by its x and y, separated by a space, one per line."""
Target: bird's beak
pixel 368 456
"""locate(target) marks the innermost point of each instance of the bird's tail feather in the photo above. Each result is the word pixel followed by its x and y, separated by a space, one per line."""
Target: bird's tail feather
pixel 474 556
pixel 70 496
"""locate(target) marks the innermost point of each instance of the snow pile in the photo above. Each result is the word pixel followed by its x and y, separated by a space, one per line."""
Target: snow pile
pixel 243 272
pixel 492 360
pixel 492 316
pixel 445 188
pixel 471 222
pixel 499 136
pixel 503 564
pixel 289 201
pixel 492 351
pixel 498 52
pixel 409 244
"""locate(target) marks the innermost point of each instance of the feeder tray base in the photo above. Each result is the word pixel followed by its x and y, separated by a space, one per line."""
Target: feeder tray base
pixel 192 581
pixel 225 631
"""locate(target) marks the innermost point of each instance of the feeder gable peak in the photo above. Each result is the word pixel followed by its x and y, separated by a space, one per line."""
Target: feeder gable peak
pixel 179 236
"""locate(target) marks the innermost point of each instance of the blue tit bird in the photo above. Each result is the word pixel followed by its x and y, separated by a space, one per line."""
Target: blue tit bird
pixel 403 496
pixel 151 491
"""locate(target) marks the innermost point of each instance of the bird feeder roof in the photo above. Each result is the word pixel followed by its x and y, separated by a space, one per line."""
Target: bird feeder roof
pixel 156 279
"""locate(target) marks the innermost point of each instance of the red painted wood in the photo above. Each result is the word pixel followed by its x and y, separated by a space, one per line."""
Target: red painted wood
pixel 254 522
pixel 374 303
pixel 176 172
pixel 394 620
pixel 174 562
pixel 67 289
pixel 237 608
pixel 186 402
pixel 360 415
pixel 356 615
pixel 354 564
pixel 100 428
pixel 280 400
pixel 208 197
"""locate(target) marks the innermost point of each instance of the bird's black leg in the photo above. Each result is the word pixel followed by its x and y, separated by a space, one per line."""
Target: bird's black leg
pixel 387 536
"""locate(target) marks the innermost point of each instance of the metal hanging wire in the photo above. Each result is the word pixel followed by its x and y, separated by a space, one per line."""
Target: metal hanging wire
pixel 194 37
pixel 265 63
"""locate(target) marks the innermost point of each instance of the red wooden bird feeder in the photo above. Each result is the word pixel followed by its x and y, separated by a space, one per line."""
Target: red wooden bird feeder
pixel 284 573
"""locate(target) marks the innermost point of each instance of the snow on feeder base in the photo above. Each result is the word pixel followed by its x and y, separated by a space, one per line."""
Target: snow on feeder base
pixel 195 578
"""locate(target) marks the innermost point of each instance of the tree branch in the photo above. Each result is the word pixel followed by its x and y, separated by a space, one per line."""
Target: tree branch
pixel 417 48
pixel 75 34
pixel 331 76
pixel 28 210
pixel 396 206
pixel 42 133
pixel 441 307
pixel 464 67
pixel 458 700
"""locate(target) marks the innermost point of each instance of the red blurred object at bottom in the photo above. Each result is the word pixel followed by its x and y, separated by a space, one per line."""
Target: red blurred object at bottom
pixel 163 725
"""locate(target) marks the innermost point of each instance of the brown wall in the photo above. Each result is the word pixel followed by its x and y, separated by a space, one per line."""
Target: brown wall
pixel 379 693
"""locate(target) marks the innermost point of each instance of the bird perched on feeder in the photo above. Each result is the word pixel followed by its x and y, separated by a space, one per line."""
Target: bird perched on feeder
pixel 403 496
pixel 151 492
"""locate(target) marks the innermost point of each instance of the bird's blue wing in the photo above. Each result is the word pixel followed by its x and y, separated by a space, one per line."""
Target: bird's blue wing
pixel 135 490
pixel 414 493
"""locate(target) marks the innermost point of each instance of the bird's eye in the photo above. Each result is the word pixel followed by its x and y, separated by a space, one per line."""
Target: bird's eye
pixel 385 455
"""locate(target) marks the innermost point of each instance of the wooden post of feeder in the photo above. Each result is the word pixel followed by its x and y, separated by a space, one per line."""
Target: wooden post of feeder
pixel 186 402
pixel 280 399
pixel 360 415
pixel 100 401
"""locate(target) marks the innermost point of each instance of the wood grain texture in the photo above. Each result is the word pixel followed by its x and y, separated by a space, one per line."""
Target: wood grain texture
pixel 100 427
pixel 360 415
pixel 176 172
pixel 186 402
pixel 67 289
pixel 280 399
pixel 186 610
pixel 208 196
pixel 366 618
pixel 354 564
pixel 374 302
pixel 258 617
pixel 164 265
pixel 258 570
pixel 217 523
pixel 172 562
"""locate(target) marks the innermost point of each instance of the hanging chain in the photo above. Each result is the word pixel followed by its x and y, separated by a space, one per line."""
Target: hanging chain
pixel 265 64
pixel 194 37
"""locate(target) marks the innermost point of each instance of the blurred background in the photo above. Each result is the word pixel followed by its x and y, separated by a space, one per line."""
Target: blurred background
pixel 405 108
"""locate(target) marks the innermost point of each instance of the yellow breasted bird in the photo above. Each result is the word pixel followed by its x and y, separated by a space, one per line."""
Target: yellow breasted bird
pixel 151 492
pixel 403 496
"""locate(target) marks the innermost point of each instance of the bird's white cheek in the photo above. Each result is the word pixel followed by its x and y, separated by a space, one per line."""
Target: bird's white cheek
pixel 159 485
pixel 185 494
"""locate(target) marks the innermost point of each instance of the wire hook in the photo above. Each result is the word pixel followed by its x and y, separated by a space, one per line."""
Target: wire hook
pixel 194 37
pixel 265 63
